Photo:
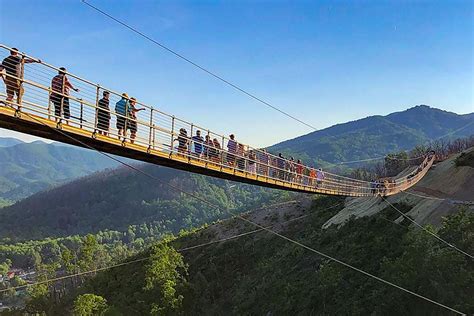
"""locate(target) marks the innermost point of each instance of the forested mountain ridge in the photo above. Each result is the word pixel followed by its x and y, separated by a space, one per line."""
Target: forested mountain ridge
pixel 27 168
pixel 377 135
pixel 115 199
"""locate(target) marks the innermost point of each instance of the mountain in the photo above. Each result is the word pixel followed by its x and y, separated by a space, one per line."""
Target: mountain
pixel 9 141
pixel 27 168
pixel 116 199
pixel 377 135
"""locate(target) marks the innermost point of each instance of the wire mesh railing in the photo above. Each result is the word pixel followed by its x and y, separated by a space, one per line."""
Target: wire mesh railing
pixel 37 88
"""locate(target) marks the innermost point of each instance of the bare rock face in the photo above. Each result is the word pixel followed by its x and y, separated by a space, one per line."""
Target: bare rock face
pixel 444 189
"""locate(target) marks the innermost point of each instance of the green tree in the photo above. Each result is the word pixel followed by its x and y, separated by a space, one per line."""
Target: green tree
pixel 87 253
pixel 395 163
pixel 5 266
pixel 163 274
pixel 90 305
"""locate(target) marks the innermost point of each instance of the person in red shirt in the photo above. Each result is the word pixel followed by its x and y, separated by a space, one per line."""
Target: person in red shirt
pixel 299 171
pixel 59 97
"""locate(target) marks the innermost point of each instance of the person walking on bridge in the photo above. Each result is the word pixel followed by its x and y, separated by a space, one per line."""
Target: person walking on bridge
pixel 198 143
pixel 103 114
pixel 231 150
pixel 312 176
pixel 207 147
pixel 13 69
pixel 320 177
pixel 132 119
pixel 121 110
pixel 182 141
pixel 60 95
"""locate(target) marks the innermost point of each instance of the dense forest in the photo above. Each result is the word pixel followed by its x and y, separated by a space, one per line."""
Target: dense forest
pixel 377 135
pixel 27 168
pixel 260 273
pixel 116 199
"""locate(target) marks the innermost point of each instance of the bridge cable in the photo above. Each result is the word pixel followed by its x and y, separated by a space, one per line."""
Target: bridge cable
pixel 430 197
pixel 239 216
pixel 179 250
pixel 428 231
pixel 233 85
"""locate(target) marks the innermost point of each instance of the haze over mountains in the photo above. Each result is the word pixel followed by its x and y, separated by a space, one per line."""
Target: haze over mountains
pixel 27 168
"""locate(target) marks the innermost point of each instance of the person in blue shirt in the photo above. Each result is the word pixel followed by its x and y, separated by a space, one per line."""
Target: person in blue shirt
pixel 121 110
pixel 198 142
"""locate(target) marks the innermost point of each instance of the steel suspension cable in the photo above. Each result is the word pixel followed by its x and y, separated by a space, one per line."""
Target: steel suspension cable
pixel 148 257
pixel 213 74
pixel 428 231
pixel 233 85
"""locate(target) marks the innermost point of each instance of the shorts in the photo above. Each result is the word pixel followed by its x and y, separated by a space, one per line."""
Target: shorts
pixel 120 122
pixel 13 86
pixel 132 126
pixel 57 106
pixel 230 158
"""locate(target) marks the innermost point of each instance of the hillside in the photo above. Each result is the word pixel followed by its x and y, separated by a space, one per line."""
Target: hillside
pixel 116 199
pixel 448 183
pixel 27 168
pixel 377 135
pixel 231 267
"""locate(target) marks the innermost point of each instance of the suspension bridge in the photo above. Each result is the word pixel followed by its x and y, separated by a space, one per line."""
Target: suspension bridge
pixel 158 137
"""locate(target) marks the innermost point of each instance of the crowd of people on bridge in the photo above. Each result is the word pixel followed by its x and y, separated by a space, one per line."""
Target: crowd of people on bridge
pixel 236 155
pixel 195 146
pixel 245 159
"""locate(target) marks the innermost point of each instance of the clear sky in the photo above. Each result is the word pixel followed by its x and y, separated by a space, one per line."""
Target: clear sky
pixel 326 62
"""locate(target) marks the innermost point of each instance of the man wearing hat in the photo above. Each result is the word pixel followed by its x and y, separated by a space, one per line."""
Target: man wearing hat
pixel 121 109
pixel 59 97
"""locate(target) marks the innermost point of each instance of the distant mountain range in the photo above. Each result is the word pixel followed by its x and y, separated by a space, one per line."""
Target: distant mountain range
pixel 9 141
pixel 27 168
pixel 377 135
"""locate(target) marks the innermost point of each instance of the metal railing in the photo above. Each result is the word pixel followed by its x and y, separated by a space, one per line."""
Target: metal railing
pixel 162 133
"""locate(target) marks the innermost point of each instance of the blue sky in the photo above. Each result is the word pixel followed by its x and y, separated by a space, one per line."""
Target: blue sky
pixel 326 62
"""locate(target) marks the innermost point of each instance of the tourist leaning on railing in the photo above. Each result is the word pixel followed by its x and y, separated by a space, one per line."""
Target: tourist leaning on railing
pixel 11 65
pixel 103 114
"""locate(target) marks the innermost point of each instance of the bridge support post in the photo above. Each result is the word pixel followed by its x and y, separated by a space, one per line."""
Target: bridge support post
pixel 222 152
pixel 96 119
pixel 190 140
pixel 151 131
pixel 172 134
pixel 22 76
pixel 81 117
